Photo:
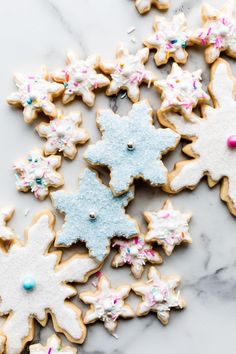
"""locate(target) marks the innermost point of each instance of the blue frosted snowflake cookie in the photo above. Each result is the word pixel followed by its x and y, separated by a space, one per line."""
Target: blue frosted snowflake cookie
pixel 93 215
pixel 131 147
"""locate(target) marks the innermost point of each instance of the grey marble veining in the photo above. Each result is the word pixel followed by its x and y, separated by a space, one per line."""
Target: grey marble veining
pixel 37 32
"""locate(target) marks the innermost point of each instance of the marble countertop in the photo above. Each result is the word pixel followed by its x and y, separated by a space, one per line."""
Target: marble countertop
pixel 37 32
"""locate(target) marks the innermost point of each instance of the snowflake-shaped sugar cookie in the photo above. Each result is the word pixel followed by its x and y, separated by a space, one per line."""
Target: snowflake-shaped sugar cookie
pixel 93 215
pixel 80 78
pixel 181 91
pixel 159 295
pixel 6 233
pixel 63 134
pixel 128 72
pixel 213 139
pixel 169 39
pixel 131 147
pixel 37 174
pixel 107 304
pixel 135 253
pixel 218 33
pixel 35 93
pixel 144 6
pixel 169 227
pixel 53 346
pixel 34 283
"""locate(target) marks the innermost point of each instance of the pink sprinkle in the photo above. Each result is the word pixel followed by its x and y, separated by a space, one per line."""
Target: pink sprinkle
pixel 169 46
pixel 28 88
pixel 95 84
pixel 218 42
pixel 223 21
pixel 98 274
pixel 84 70
pixel 203 41
pixel 200 35
pixel 31 77
pixel 166 215
pixel 133 79
pixel 49 350
pixel 75 84
pixel 136 240
pixel 209 31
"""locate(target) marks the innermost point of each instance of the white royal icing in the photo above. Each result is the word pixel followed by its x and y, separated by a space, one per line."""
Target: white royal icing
pixel 135 252
pixel 53 346
pixel 145 5
pixel 107 304
pixel 128 72
pixel 63 134
pixel 35 94
pixel 6 233
pixel 80 78
pixel 219 30
pixel 51 292
pixel 169 227
pixel 182 90
pixel 38 174
pixel 159 295
pixel 210 135
pixel 169 39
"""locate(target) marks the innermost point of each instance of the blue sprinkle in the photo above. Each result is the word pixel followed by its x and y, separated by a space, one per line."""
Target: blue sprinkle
pixel 29 101
pixel 66 84
pixel 174 41
pixel 28 283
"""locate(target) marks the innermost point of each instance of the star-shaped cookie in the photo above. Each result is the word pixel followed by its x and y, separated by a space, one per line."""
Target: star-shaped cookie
pixel 80 78
pixel 63 134
pixel 107 304
pixel 35 93
pixel 53 346
pixel 181 91
pixel 6 233
pixel 93 215
pixel 168 227
pixel 218 33
pixel 38 173
pixel 135 253
pixel 159 295
pixel 128 72
pixel 213 139
pixel 144 6
pixel 169 39
pixel 131 147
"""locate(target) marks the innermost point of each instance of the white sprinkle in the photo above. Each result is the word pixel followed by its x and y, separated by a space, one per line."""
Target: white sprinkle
pixel 26 212
pixel 130 30
pixel 133 40
pixel 115 335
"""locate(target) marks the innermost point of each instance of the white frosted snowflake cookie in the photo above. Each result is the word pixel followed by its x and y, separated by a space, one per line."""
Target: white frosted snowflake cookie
pixel 53 346
pixel 135 253
pixel 80 78
pixel 38 173
pixel 213 139
pixel 34 283
pixel 181 91
pixel 107 304
pixel 169 39
pixel 168 227
pixel 63 134
pixel 35 94
pixel 218 33
pixel 144 6
pixel 159 295
pixel 128 72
